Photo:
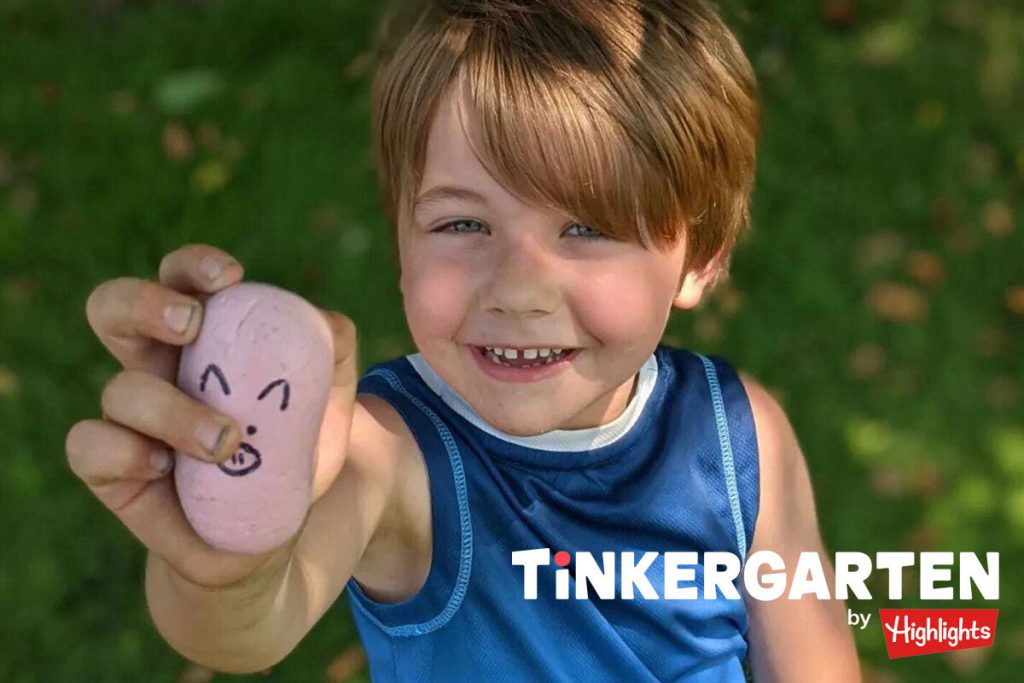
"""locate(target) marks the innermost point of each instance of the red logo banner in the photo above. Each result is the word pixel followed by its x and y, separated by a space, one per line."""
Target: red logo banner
pixel 910 632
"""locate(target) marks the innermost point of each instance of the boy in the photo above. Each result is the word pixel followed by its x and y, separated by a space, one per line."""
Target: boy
pixel 560 174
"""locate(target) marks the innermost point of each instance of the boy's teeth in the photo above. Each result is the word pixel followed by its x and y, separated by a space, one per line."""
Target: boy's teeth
pixel 525 358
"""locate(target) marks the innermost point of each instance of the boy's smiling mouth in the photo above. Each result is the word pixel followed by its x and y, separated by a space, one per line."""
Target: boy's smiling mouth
pixel 522 364
pixel 514 357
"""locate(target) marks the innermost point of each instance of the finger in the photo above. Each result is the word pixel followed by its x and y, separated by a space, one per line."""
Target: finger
pixel 100 452
pixel 199 269
pixel 155 516
pixel 140 322
pixel 344 337
pixel 337 419
pixel 158 409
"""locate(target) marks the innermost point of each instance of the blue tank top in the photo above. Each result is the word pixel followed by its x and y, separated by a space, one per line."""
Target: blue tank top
pixel 677 472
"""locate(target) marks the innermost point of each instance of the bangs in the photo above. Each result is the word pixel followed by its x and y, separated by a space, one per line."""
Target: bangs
pixel 557 140
pixel 615 117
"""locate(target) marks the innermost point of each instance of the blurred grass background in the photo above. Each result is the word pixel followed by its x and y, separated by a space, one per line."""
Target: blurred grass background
pixel 880 294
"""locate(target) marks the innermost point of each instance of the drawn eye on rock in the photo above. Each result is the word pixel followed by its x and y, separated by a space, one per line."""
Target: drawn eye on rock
pixel 286 392
pixel 213 369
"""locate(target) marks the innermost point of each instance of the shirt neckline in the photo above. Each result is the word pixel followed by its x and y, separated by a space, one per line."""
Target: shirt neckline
pixel 556 441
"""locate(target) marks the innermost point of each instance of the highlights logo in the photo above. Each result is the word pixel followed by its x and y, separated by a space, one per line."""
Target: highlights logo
pixel 910 632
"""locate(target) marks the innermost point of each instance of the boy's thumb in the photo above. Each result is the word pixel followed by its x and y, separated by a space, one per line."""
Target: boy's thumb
pixel 337 421
pixel 343 332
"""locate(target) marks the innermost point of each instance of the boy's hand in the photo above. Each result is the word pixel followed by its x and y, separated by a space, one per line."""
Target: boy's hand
pixel 125 457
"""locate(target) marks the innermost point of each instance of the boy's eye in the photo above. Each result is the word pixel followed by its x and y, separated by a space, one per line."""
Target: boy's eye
pixel 461 226
pixel 580 230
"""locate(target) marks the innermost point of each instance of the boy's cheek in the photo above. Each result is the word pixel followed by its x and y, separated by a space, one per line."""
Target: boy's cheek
pixel 623 312
pixel 434 304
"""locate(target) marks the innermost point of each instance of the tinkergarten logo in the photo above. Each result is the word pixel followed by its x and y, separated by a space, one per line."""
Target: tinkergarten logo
pixel 764 576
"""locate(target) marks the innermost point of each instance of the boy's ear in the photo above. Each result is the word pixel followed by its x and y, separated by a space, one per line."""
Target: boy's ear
pixel 695 283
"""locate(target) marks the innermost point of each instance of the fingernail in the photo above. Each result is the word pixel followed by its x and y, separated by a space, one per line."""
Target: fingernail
pixel 212 267
pixel 160 460
pixel 211 435
pixel 178 316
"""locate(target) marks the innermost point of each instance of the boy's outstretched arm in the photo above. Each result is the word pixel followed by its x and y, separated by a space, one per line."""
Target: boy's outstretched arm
pixel 230 611
pixel 792 640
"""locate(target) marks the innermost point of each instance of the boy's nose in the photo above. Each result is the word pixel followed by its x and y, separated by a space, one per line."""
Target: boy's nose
pixel 524 281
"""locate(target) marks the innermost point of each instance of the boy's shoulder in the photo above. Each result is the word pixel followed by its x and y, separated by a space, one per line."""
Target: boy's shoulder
pixel 781 466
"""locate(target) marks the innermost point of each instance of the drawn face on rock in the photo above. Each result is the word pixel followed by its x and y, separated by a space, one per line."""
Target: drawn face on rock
pixel 248 458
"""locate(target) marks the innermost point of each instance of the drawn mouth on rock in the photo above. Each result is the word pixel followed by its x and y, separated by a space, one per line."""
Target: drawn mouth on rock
pixel 246 460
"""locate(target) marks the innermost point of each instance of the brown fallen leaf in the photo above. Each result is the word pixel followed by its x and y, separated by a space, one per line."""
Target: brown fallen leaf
pixel 927 268
pixel 867 361
pixel 839 12
pixel 897 302
pixel 880 249
pixel 926 480
pixel 1015 299
pixel 888 481
pixel 178 144
pixel 8 382
pixel 350 662
pixel 998 219
pixel 944 211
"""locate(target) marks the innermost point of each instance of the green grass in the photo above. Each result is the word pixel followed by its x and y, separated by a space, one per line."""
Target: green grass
pixel 900 131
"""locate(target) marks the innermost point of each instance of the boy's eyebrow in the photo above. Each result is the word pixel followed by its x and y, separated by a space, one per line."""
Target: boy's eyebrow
pixel 442 192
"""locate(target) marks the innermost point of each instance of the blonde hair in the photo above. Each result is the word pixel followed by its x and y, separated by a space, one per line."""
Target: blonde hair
pixel 636 117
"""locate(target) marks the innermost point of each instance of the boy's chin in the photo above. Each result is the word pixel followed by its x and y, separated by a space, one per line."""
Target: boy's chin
pixel 523 424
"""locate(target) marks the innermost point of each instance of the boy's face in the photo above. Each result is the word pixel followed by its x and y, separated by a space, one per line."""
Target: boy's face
pixel 517 276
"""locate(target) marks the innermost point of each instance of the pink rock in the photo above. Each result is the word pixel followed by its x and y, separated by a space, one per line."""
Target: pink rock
pixel 264 356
